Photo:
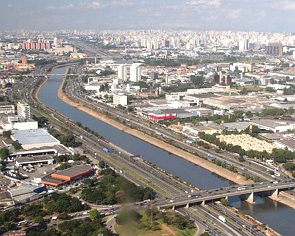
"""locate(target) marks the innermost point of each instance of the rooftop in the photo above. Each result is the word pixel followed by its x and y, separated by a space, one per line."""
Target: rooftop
pixel 33 158
pixel 33 136
pixel 75 170
pixel 271 123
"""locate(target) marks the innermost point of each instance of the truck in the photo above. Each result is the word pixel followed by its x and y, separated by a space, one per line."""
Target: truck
pixel 222 218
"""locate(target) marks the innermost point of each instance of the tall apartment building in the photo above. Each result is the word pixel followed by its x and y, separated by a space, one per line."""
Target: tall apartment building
pixel 135 72
pixel 23 110
pixel 122 72
pixel 275 49
pixel 243 45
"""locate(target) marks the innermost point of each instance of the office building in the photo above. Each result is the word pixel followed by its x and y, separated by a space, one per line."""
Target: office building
pixel 135 72
pixel 23 110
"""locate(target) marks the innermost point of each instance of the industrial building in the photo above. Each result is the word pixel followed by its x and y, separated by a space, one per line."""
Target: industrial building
pixel 34 138
pixel 65 176
pixel 21 161
pixel 276 126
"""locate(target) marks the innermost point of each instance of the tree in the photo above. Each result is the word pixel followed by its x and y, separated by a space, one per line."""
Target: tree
pixel 16 145
pixel 198 81
pixel 102 164
pixel 6 134
pixel 94 215
pixel 224 202
pixel 4 153
pixel 38 219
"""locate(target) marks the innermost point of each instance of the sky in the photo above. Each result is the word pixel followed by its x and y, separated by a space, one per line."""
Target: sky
pixel 243 15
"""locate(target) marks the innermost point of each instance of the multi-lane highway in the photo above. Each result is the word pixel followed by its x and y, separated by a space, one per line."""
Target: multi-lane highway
pixel 248 167
pixel 221 193
pixel 122 161
pixel 132 168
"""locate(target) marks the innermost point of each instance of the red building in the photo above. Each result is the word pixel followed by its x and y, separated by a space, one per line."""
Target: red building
pixel 67 175
pixel 24 60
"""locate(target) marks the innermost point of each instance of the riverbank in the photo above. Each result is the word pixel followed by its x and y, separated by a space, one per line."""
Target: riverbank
pixel 154 141
pixel 238 179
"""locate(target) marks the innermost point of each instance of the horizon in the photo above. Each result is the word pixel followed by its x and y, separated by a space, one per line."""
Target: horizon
pixel 200 15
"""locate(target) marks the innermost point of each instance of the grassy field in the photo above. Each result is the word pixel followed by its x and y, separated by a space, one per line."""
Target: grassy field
pixel 166 230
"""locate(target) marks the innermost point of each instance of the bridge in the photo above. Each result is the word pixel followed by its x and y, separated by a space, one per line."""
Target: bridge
pixel 246 192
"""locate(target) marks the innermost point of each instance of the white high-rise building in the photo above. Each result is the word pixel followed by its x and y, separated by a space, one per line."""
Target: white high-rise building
pixel 243 45
pixel 135 72
pixel 122 72
pixel 120 99
pixel 55 42
pixel 23 110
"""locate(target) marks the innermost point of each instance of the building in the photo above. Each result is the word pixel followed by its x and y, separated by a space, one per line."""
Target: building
pixel 276 126
pixel 23 110
pixel 35 138
pixel 135 72
pixel 24 60
pixel 122 72
pixel 243 45
pixel 65 176
pixel 275 49
pixel 16 123
pixel 243 67
pixel 120 99
pixel 7 109
pixel 44 159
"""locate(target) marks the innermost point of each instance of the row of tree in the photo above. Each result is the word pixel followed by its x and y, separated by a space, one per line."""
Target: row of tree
pixel 113 188
pixel 151 219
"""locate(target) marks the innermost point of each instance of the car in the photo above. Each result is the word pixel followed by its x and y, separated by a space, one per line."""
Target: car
pixel 171 200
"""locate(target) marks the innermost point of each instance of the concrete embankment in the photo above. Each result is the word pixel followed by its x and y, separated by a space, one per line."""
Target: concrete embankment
pixel 167 147
pixel 154 141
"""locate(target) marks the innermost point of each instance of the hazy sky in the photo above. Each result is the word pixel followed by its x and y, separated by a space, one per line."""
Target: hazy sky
pixel 259 15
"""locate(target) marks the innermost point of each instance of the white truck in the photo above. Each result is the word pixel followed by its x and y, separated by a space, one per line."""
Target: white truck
pixel 221 218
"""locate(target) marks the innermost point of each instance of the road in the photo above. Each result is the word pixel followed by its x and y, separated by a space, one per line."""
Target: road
pixel 125 163
pixel 250 167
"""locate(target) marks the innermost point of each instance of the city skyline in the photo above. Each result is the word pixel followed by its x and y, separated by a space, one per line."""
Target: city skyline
pixel 245 15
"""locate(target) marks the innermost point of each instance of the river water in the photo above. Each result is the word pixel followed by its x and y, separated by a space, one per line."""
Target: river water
pixel 275 215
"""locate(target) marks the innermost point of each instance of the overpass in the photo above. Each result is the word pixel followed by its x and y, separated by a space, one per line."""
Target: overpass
pixel 246 192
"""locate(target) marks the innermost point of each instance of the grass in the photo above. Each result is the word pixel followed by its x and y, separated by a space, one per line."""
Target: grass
pixel 166 230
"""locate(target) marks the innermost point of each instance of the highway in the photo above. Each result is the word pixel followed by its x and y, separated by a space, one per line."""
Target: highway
pixel 217 194
pixel 116 159
pixel 249 167
pixel 94 147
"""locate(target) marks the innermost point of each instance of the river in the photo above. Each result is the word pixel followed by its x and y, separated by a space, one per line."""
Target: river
pixel 276 215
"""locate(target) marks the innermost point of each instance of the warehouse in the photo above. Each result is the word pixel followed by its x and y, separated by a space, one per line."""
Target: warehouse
pixel 34 160
pixel 274 125
pixel 65 176
pixel 34 138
